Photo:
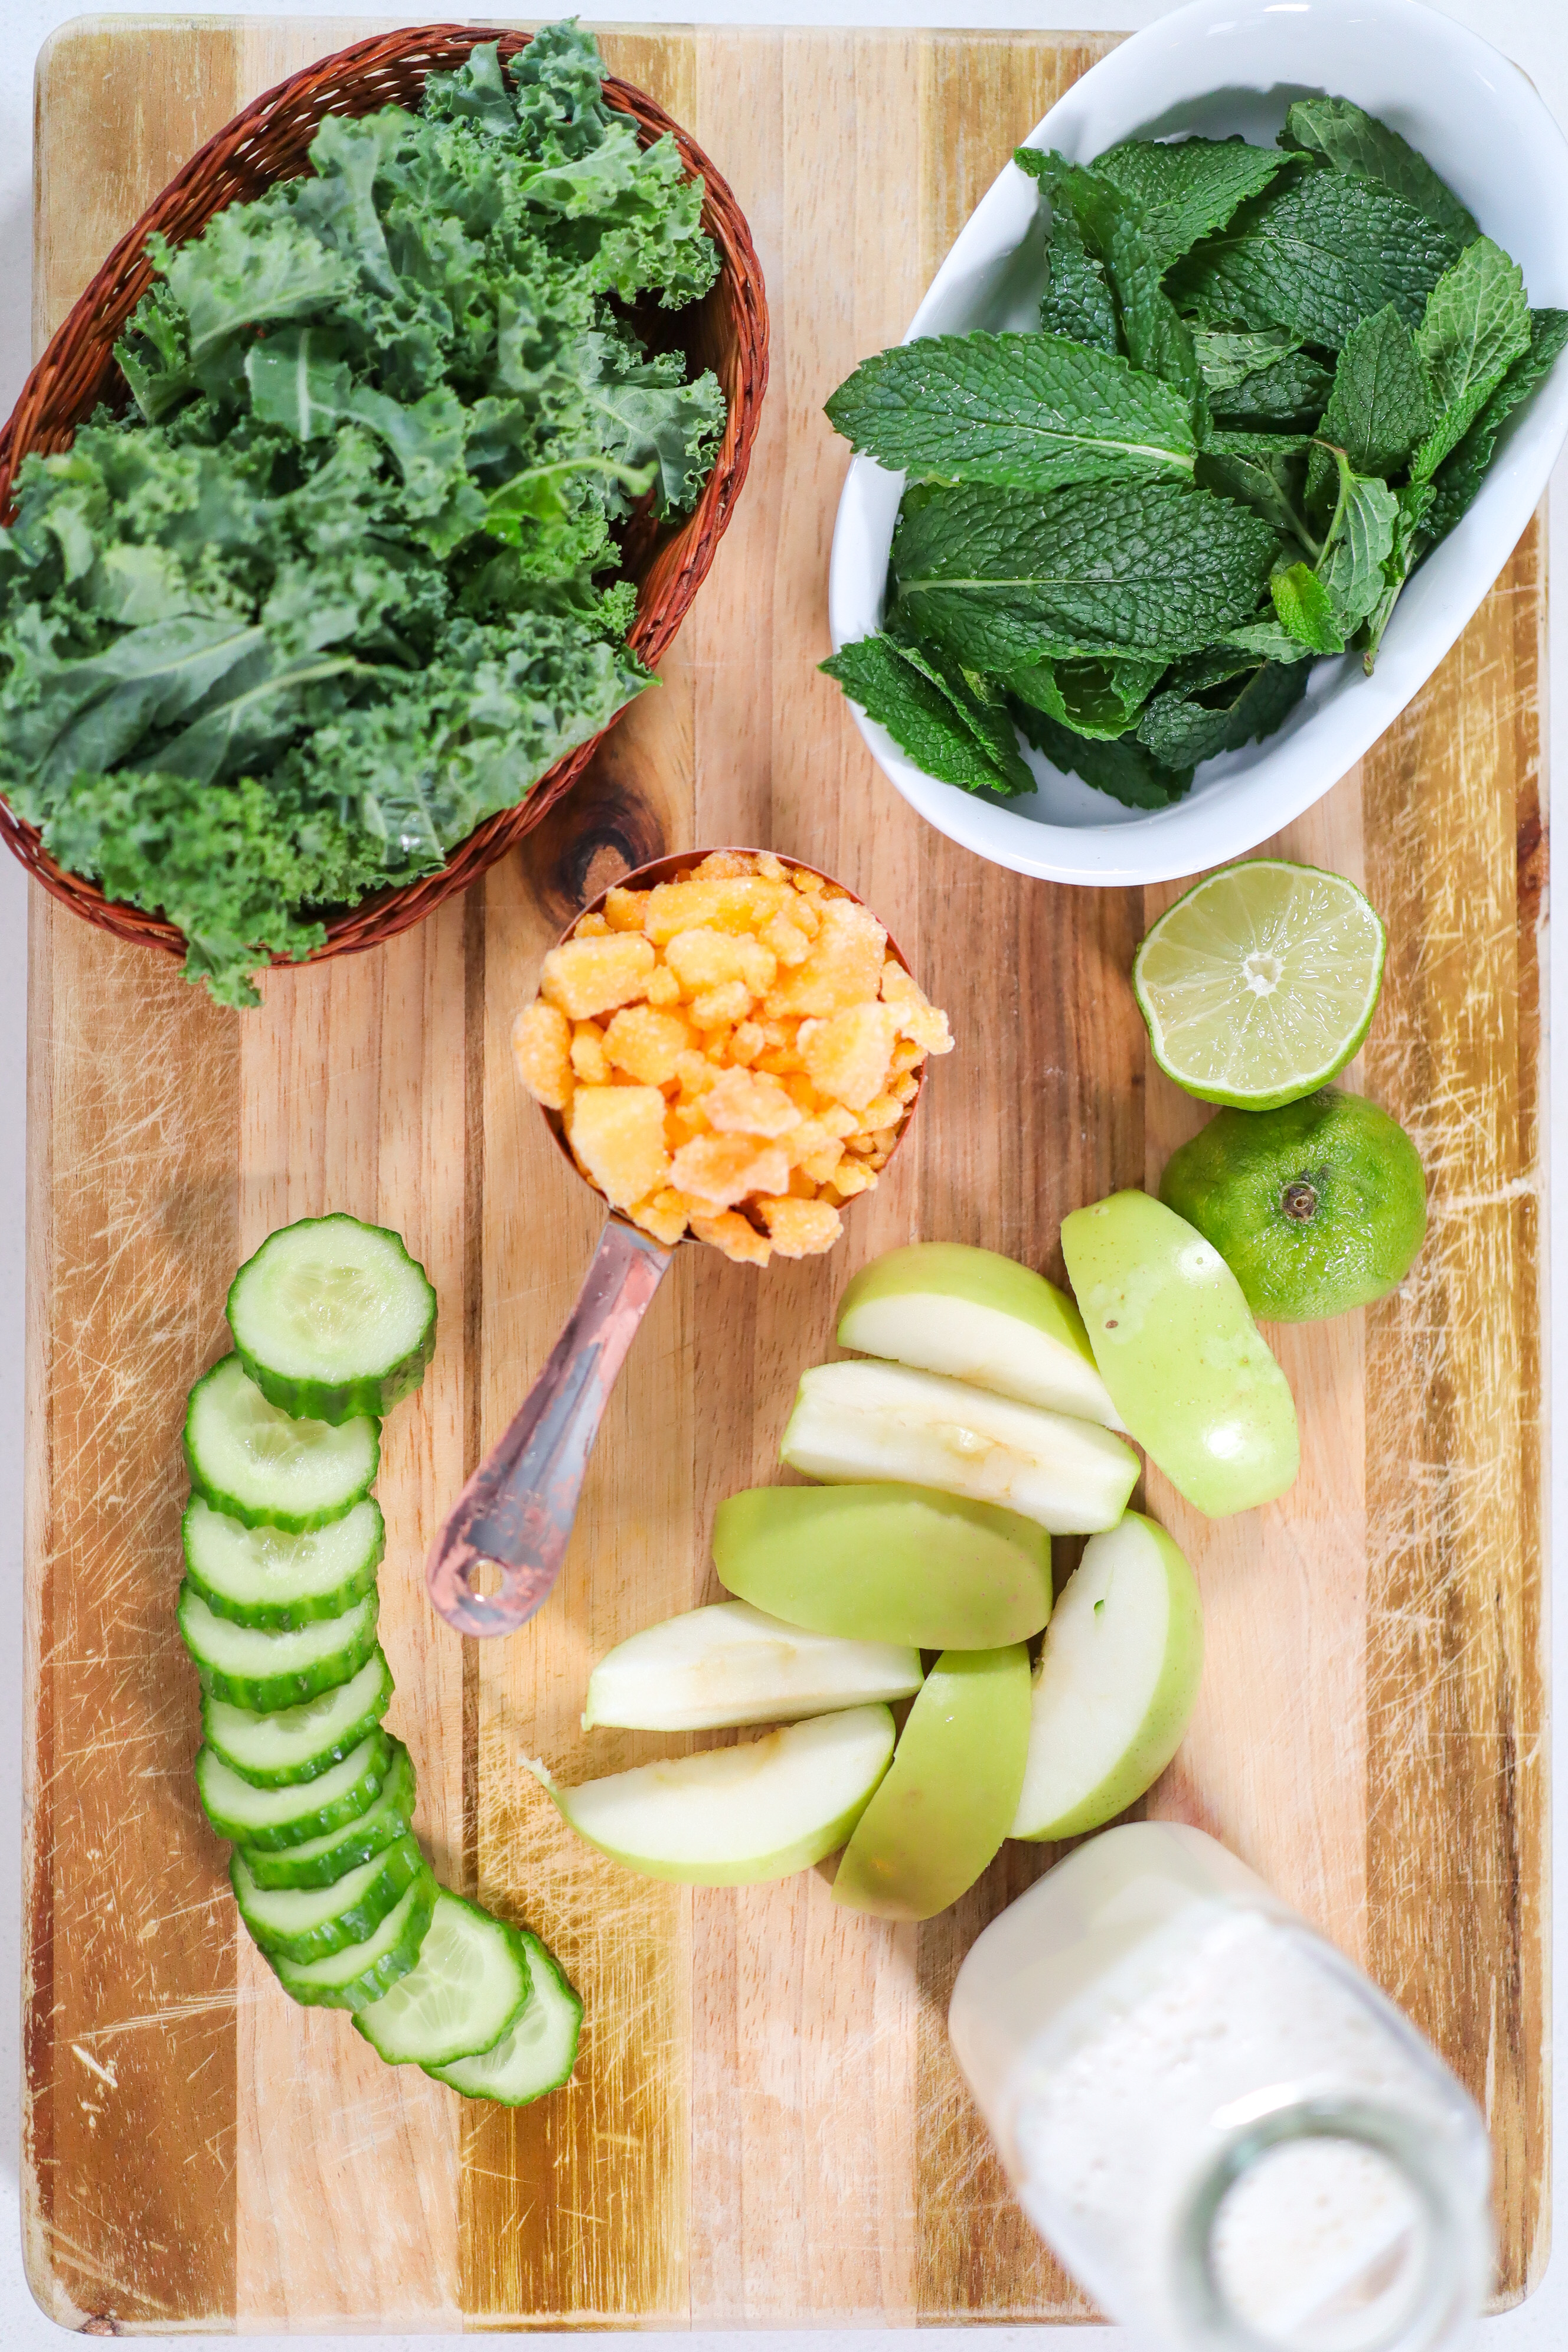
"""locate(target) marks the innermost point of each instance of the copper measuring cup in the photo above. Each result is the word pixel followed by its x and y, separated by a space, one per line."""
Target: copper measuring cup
pixel 515 1514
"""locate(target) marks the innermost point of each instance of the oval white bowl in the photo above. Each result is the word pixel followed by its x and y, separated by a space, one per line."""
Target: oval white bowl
pixel 1215 68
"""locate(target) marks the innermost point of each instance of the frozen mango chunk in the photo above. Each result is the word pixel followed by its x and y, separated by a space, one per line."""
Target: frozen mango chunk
pixel 542 1051
pixel 617 1133
pixel 800 1228
pixel 723 1168
pixel 919 1019
pixel 846 1055
pixel 746 1102
pixel 587 977
pixel 731 1232
pixel 647 1043
pixel 844 968
pixel 740 902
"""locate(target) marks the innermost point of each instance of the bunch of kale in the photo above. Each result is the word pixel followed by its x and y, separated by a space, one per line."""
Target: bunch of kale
pixel 326 600
pixel 1265 381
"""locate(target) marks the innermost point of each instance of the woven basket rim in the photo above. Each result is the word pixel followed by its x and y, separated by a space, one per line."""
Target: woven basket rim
pixel 121 278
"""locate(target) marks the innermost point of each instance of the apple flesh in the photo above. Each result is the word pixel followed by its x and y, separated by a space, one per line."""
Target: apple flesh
pixel 941 1815
pixel 942 1306
pixel 878 1421
pixel 730 1664
pixel 886 1563
pixel 1117 1682
pixel 1187 1366
pixel 731 1816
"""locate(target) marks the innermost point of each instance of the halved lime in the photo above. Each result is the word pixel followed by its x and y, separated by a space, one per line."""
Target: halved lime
pixel 1261 982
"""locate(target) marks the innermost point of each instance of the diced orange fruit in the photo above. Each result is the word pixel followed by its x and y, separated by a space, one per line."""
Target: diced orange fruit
pixel 844 968
pixel 541 1050
pixel 702 959
pixel 662 1215
pixel 716 1008
pixel 624 909
pixel 588 1062
pixel 800 1228
pixel 733 1235
pixel 847 1054
pixel 741 902
pixel 589 976
pixel 919 1019
pixel 744 1102
pixel 647 1043
pixel 723 1168
pixel 617 1133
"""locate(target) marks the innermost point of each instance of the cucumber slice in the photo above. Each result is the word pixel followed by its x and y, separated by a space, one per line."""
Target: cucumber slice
pixel 306 1923
pixel 472 1979
pixel 264 1671
pixel 304 1812
pixel 332 1317
pixel 362 1973
pixel 298 1743
pixel 319 1861
pixel 539 2049
pixel 262 1465
pixel 271 1579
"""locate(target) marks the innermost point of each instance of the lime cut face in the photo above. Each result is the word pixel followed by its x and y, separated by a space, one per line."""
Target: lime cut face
pixel 1261 982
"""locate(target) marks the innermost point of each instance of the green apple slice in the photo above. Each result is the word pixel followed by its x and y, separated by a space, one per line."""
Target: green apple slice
pixel 942 1306
pixel 1190 1371
pixel 941 1815
pixel 730 1664
pixel 733 1815
pixel 1117 1682
pixel 886 1563
pixel 879 1420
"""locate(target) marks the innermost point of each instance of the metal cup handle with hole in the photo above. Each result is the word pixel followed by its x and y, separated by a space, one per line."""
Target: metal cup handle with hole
pixel 515 1514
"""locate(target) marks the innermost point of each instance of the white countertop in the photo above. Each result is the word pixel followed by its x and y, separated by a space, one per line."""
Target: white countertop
pixel 1534 33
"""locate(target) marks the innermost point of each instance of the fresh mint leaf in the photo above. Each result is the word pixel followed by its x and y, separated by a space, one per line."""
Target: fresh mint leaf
pixel 1411 536
pixel 1266 471
pixel 1183 730
pixel 1001 578
pixel 1178 191
pixel 1124 769
pixel 1476 325
pixel 1360 539
pixel 1352 141
pixel 1228 360
pixel 1077 301
pixel 925 719
pixel 1316 257
pixel 1098 699
pixel 1031 412
pixel 1379 407
pixel 1306 609
pixel 1268 641
pixel 1459 475
pixel 1288 396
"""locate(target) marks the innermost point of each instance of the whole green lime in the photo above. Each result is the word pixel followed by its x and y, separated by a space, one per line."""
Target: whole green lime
pixel 1315 1208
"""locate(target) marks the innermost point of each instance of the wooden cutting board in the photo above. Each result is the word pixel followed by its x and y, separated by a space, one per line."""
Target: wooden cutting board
pixel 766 2126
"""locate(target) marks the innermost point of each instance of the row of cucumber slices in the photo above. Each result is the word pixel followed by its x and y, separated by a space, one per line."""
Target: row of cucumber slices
pixel 332 1324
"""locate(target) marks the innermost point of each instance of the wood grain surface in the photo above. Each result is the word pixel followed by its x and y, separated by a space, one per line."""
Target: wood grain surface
pixel 766 2126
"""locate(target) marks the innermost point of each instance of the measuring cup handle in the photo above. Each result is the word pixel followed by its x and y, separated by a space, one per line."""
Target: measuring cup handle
pixel 517 1509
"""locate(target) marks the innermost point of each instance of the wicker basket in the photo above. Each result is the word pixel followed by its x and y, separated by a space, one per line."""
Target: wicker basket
pixel 727 331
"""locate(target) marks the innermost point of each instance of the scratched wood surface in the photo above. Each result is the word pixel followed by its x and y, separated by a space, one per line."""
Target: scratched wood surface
pixel 765 2127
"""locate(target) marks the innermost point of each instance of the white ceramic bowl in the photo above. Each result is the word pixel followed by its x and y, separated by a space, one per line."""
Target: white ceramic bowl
pixel 1215 68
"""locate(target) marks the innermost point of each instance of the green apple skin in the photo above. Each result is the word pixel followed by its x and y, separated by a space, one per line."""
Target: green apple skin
pixel 729 1664
pixel 875 1420
pixel 1117 1682
pixel 886 1563
pixel 735 1816
pixel 941 1815
pixel 943 1306
pixel 1188 1368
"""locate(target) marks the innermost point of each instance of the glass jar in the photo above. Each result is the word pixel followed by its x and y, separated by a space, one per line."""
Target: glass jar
pixel 1229 2137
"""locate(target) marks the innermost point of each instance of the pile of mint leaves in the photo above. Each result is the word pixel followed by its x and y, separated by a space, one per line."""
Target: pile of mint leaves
pixel 1265 383
pixel 331 594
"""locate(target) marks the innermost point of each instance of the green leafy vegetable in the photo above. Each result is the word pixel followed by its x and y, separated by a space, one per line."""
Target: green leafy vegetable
pixel 1459 477
pixel 1077 301
pixel 1474 328
pixel 1351 140
pixel 1029 411
pixel 1184 727
pixel 1379 407
pixel 1124 769
pixel 1267 471
pixel 1228 360
pixel 1317 257
pixel 1139 567
pixel 326 599
pixel 1288 394
pixel 949 731
pixel 1098 699
pixel 1306 609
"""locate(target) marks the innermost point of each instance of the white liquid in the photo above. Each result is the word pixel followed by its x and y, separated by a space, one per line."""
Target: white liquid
pixel 1142 2006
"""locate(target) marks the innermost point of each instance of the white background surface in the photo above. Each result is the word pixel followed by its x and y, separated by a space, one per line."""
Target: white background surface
pixel 1534 33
